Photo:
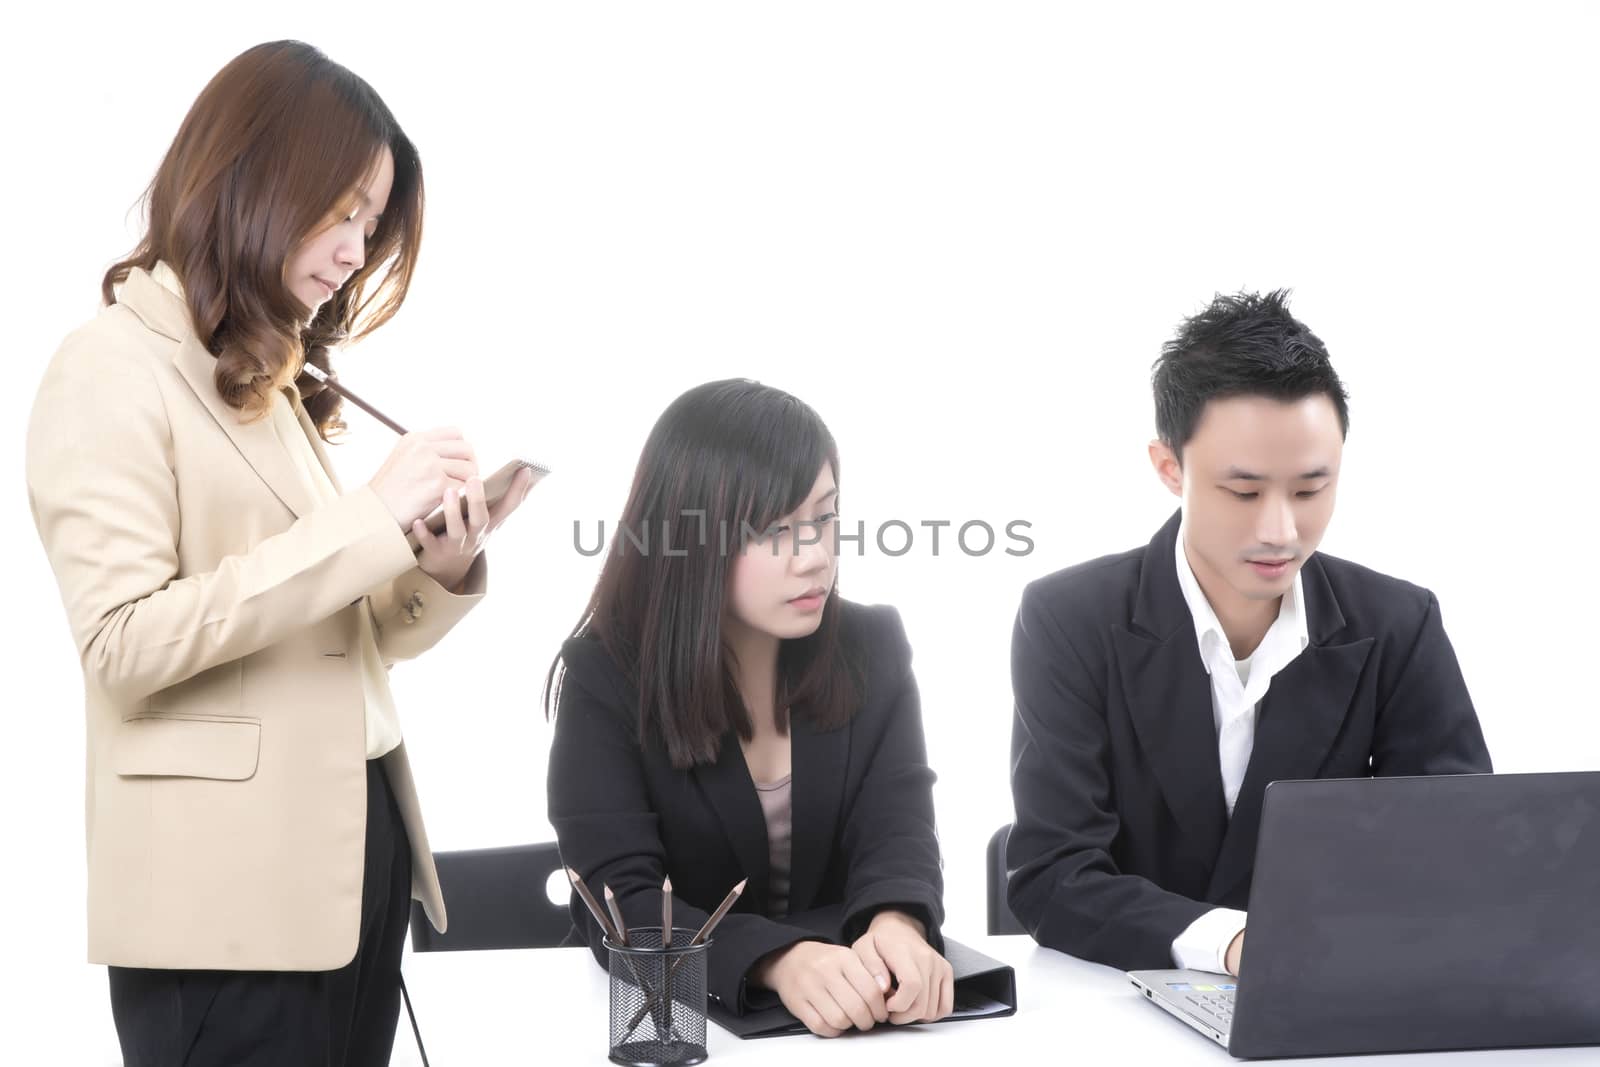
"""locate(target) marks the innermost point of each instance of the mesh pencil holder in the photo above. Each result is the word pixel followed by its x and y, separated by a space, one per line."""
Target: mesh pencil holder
pixel 658 999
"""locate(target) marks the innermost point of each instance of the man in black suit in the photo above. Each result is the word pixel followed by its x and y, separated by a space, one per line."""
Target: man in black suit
pixel 1159 691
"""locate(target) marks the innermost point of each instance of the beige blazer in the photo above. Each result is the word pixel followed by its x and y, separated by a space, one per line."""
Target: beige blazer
pixel 214 608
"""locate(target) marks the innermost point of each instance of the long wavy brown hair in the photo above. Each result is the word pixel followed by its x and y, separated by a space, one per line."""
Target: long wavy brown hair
pixel 273 150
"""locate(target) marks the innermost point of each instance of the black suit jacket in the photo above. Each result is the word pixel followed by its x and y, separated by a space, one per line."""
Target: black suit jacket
pixel 863 824
pixel 1122 837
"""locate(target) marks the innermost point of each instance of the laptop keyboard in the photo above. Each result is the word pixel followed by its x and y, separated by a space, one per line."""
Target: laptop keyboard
pixel 1218 1005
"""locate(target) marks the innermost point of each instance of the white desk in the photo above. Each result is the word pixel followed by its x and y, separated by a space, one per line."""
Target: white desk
pixel 544 1006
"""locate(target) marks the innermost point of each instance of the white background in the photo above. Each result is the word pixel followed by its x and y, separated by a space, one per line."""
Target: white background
pixel 961 232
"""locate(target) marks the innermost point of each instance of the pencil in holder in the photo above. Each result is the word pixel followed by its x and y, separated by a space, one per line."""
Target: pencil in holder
pixel 658 999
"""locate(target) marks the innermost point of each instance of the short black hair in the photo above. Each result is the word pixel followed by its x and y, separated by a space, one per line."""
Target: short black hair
pixel 1245 344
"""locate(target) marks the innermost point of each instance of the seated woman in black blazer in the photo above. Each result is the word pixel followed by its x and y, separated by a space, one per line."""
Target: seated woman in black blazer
pixel 700 677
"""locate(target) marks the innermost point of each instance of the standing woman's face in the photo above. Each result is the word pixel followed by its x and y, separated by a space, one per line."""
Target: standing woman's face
pixel 325 260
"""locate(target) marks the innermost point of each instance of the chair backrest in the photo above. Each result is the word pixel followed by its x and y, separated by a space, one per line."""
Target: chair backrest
pixel 1001 920
pixel 496 899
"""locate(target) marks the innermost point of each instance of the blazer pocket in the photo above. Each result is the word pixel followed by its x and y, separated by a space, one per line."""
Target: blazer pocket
pixel 226 749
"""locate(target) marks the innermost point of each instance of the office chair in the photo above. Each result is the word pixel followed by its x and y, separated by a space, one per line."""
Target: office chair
pixel 1001 920
pixel 496 899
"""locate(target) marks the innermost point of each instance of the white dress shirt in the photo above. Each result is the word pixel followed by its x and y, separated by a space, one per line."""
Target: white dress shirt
pixel 1237 687
pixel 382 720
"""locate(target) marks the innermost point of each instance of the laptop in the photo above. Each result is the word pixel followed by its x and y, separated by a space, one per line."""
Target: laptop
pixel 1412 915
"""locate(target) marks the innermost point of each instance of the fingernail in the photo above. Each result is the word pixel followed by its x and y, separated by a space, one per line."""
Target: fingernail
pixel 883 983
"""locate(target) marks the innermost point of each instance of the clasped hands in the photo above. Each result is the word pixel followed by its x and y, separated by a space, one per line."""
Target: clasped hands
pixel 891 974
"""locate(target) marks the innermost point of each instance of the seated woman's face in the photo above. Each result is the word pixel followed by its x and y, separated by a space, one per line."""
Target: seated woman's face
pixel 325 260
pixel 779 584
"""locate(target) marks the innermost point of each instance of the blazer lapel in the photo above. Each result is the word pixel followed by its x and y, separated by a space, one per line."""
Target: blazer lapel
pixel 818 759
pixel 256 440
pixel 164 312
pixel 1300 718
pixel 315 438
pixel 731 794
pixel 1169 699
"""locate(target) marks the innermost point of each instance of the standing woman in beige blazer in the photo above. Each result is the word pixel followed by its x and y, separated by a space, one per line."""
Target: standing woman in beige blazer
pixel 254 835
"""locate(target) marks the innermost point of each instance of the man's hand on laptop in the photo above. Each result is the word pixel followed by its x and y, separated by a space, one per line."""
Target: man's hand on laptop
pixel 1235 951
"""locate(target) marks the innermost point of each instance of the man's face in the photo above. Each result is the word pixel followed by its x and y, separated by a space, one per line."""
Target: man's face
pixel 1257 481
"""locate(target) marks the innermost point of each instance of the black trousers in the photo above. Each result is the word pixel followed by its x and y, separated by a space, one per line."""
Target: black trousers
pixel 343 1018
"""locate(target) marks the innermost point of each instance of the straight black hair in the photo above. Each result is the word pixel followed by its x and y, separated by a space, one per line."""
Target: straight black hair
pixel 723 463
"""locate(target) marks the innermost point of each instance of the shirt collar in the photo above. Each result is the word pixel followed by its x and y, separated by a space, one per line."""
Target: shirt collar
pixel 1290 625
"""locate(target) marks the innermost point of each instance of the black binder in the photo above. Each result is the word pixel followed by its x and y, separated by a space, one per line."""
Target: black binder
pixel 985 989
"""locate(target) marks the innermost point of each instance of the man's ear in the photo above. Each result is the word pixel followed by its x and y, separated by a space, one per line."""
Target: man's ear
pixel 1167 467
